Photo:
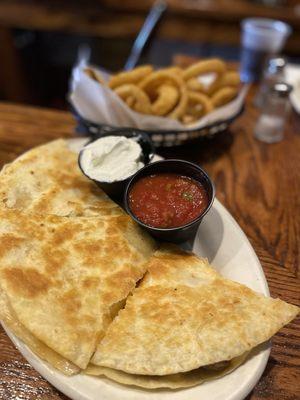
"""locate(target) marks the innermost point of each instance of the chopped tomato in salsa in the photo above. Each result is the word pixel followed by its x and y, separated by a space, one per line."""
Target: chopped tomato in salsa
pixel 167 200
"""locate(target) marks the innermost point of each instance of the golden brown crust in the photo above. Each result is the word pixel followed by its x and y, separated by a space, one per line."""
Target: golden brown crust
pixel 175 381
pixel 167 98
pixel 204 67
pixel 11 322
pixel 47 180
pixel 133 76
pixel 152 82
pixel 199 104
pixel 223 96
pixel 28 284
pixel 62 275
pixel 229 78
pixel 141 102
pixel 163 92
pixel 184 315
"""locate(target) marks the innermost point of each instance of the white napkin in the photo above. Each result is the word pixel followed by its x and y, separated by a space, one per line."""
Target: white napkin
pixel 99 104
pixel 292 74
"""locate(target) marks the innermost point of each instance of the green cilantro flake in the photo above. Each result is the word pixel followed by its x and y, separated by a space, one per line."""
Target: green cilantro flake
pixel 187 196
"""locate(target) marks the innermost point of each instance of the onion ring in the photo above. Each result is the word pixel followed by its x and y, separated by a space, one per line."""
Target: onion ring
pixel 188 119
pixel 168 96
pixel 173 69
pixel 204 67
pixel 95 75
pixel 156 79
pixel 130 100
pixel 199 104
pixel 229 78
pixel 195 85
pixel 133 76
pixel 141 102
pixel 223 96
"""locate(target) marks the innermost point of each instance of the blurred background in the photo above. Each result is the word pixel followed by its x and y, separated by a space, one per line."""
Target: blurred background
pixel 39 39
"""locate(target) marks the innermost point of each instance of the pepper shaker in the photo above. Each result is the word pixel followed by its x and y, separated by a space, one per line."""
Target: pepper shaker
pixel 274 73
pixel 271 122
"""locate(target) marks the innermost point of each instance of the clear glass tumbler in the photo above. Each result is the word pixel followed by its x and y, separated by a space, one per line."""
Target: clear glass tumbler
pixel 261 38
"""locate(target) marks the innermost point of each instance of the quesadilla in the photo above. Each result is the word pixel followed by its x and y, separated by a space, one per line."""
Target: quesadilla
pixel 184 316
pixel 65 278
pixel 8 317
pixel 70 260
pixel 47 180
pixel 172 381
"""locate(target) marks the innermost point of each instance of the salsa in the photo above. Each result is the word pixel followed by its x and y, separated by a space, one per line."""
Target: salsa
pixel 167 200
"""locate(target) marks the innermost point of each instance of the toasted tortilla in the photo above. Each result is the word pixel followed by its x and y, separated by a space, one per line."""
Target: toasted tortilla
pixel 175 381
pixel 65 277
pixel 184 316
pixel 47 180
pixel 8 317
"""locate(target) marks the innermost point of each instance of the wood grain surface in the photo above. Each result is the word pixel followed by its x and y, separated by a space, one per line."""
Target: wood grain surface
pixel 260 186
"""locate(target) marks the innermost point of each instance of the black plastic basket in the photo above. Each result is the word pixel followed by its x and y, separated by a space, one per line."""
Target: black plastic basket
pixel 160 138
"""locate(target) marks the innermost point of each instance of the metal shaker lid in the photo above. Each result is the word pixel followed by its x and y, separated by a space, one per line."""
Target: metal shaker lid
pixel 276 64
pixel 281 89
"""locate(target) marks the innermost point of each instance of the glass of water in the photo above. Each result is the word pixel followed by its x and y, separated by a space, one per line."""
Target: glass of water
pixel 261 38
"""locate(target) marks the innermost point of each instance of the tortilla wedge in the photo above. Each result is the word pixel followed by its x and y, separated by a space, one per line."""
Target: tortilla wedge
pixel 11 322
pixel 47 180
pixel 65 278
pixel 184 316
pixel 173 381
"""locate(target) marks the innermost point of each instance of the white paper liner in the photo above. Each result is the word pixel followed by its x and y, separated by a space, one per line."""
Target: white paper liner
pixel 101 105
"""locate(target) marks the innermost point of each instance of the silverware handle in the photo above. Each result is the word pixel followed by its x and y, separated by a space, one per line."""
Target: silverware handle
pixel 151 20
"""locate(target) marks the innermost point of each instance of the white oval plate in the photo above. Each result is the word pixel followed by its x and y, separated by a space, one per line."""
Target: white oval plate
pixel 222 241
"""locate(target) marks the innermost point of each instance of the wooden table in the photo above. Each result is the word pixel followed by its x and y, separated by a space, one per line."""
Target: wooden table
pixel 258 183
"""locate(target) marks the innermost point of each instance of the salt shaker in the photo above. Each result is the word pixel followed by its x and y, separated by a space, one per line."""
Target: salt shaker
pixel 271 122
pixel 273 73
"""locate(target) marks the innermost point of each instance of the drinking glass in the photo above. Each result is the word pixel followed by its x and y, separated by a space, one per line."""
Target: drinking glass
pixel 261 39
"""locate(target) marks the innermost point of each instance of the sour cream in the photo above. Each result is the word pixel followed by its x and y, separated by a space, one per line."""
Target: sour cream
pixel 111 158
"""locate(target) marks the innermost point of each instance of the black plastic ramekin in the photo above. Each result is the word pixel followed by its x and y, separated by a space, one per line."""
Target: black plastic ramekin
pixel 116 189
pixel 181 233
